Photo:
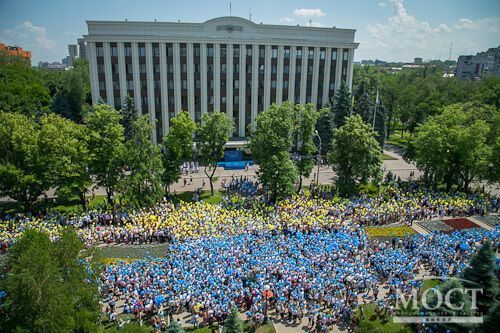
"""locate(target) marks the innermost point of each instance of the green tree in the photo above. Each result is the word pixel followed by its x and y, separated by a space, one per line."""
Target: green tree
pixel 303 139
pixel 481 274
pixel 64 147
pixel 22 91
pixel 129 116
pixel 106 147
pixel 174 327
pixel 364 104
pixel 144 184
pixel 451 147
pixel 271 143
pixel 341 105
pixel 491 320
pixel 356 156
pixel 324 126
pixel 24 175
pixel 233 323
pixel 177 144
pixel 213 135
pixel 381 124
pixel 48 287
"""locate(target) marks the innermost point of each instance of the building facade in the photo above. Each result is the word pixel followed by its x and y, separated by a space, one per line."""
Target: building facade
pixel 471 67
pixel 228 64
pixel 81 48
pixel 16 51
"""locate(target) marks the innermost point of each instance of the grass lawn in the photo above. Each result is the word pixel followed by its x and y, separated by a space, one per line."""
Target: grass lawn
pixel 428 284
pixel 372 324
pixel 388 157
pixel 64 206
pixel 395 139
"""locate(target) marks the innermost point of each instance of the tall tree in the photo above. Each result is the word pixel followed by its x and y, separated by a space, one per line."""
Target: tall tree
pixel 271 143
pixel 364 105
pixel 64 146
pixel 24 176
pixel 107 147
pixel 129 116
pixel 356 156
pixel 303 146
pixel 144 184
pixel 212 138
pixel 48 287
pixel 177 144
pixel 233 323
pixel 341 105
pixel 381 123
pixel 481 274
pixel 325 126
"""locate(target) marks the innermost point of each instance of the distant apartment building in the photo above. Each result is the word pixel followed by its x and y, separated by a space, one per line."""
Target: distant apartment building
pixel 417 61
pixel 82 52
pixel 228 64
pixel 16 51
pixel 52 66
pixel 471 67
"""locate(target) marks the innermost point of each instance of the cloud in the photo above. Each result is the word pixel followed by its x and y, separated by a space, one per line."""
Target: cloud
pixel 286 19
pixel 317 24
pixel 70 34
pixel 404 36
pixel 28 36
pixel 382 4
pixel 308 12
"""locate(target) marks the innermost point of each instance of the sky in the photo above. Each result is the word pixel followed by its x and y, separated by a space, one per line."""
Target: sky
pixel 390 30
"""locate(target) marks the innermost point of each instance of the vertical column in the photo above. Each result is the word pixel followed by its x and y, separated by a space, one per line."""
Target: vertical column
pixel 229 83
pixel 255 83
pixel 190 79
pixel 279 75
pixel 304 74
pixel 326 77
pixel 122 71
pixel 338 69
pixel 267 77
pixel 94 78
pixel 164 88
pixel 151 90
pixel 110 100
pixel 137 78
pixel 314 90
pixel 350 68
pixel 203 70
pixel 177 78
pixel 243 86
pixel 217 77
pixel 291 81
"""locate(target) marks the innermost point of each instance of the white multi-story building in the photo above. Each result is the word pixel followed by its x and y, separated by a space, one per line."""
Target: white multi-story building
pixel 229 64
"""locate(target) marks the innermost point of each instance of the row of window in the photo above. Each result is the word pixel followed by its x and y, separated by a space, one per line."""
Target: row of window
pixel 223 52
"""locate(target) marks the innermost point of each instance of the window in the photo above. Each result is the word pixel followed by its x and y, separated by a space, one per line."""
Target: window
pixel 183 100
pixel 249 84
pixel 223 68
pixel 309 70
pixel 100 68
pixel 128 51
pixel 287 53
pixel 184 68
pixel 223 84
pixel 99 51
pixel 286 69
pixel 311 54
pixel 236 69
pixel 196 100
pixel 261 69
pixel 170 68
pixel 116 85
pixel 144 100
pixel 236 84
pixel 197 84
pixel 236 52
pixel 332 85
pixel 171 85
pixel 285 84
pixel 259 99
pixel 334 54
pixel 114 68
pixel 128 68
pixel 273 84
pixel 236 99
pixel 223 51
pixel 298 69
pixel 308 99
pixel 261 84
pixel 196 68
pixel 130 85
pixel 346 55
pixel 142 51
pixel 157 84
pixel 248 100
pixel 157 100
pixel 249 68
pixel 210 52
pixel 262 52
pixel 211 84
pixel 183 51
pixel 223 100
pixel 144 85
pixel 196 51
pixel 156 68
pixel 274 53
pixel 171 103
pixel 184 84
pixel 170 51
pixel 322 54
pixel 156 51
pixel 249 51
pixel 142 68
pixel 210 68
pixel 273 69
pixel 211 100
pixel 114 51
pixel 299 54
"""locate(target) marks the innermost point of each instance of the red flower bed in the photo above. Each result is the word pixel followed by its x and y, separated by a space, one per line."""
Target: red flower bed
pixel 460 223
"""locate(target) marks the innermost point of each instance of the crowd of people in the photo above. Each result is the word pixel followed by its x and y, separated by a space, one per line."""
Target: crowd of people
pixel 242 185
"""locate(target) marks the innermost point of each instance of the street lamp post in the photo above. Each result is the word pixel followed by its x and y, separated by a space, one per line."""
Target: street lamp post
pixel 319 156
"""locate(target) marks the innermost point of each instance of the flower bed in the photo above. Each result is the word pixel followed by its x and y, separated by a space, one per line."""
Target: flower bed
pixel 436 225
pixel 460 223
pixel 400 231
pixel 491 220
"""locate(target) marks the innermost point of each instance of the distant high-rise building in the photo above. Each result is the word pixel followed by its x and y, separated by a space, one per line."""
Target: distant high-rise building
pixel 483 63
pixel 74 53
pixel 15 51
pixel 417 61
pixel 81 48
